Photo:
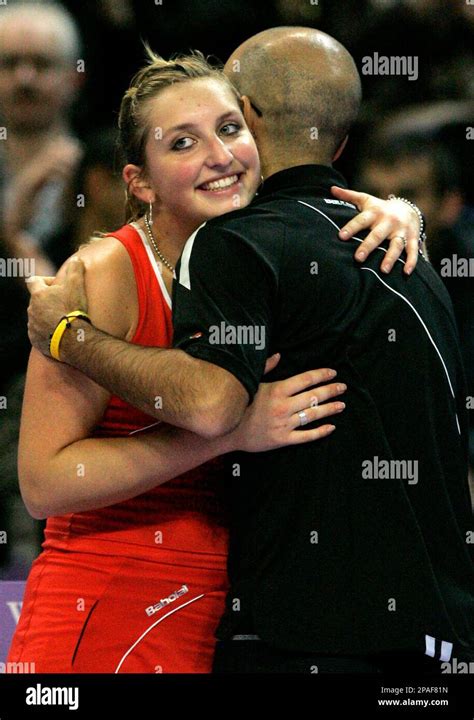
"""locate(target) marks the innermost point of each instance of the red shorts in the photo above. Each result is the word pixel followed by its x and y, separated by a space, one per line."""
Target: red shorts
pixel 87 613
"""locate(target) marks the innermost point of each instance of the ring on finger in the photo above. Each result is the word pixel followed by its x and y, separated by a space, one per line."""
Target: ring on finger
pixel 304 419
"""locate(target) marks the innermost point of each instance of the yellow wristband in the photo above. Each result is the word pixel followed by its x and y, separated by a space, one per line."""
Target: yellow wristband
pixel 62 325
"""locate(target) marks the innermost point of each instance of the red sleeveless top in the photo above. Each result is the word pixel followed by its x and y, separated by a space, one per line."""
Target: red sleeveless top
pixel 185 515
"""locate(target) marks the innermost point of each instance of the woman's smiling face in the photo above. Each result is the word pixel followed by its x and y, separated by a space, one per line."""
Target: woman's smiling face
pixel 201 159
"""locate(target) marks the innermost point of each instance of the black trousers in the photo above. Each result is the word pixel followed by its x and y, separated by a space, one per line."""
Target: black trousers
pixel 256 656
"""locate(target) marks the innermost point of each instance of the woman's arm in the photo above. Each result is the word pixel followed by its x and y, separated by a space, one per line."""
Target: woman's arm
pixel 95 472
pixel 62 469
pixel 60 405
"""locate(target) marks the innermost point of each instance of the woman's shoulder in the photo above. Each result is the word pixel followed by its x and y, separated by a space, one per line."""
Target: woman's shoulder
pixel 110 285
pixel 104 251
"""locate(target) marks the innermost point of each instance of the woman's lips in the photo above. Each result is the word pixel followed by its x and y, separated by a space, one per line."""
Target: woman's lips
pixel 222 186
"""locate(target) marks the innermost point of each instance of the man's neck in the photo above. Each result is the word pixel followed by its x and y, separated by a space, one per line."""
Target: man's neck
pixel 22 146
pixel 273 162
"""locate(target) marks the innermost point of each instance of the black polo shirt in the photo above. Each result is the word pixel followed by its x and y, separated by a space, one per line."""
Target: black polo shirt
pixel 358 543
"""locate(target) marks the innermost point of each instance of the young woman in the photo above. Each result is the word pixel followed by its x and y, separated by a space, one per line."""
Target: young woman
pixel 132 577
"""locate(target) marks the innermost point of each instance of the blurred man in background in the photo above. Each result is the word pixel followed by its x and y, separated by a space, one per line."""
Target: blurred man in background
pixel 39 78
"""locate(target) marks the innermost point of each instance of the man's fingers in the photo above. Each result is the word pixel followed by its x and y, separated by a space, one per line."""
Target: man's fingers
pixel 37 282
pixel 75 269
pixel 362 221
pixel 75 282
pixel 304 380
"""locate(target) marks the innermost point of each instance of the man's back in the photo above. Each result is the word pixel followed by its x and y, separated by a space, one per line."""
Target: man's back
pixel 358 543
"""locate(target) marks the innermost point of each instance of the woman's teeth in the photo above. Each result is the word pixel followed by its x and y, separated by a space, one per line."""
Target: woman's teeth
pixel 220 184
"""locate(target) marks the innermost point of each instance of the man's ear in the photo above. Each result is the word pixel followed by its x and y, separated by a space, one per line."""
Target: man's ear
pixel 250 116
pixel 340 149
pixel 138 184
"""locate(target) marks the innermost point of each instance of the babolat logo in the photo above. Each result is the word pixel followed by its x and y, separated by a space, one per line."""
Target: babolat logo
pixel 455 667
pixel 166 601
pixel 39 695
pixel 332 201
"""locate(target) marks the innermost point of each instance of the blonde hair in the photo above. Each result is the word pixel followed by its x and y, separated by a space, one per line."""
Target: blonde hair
pixel 148 82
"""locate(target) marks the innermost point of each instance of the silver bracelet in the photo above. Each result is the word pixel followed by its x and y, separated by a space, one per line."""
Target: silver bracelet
pixel 422 236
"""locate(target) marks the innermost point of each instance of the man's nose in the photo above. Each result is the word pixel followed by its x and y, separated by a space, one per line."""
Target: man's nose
pixel 219 153
pixel 25 73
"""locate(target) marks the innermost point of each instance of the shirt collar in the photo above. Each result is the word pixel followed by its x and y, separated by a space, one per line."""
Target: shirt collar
pixel 314 176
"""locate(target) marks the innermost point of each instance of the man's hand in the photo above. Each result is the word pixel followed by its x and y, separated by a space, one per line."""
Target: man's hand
pixel 393 219
pixel 51 299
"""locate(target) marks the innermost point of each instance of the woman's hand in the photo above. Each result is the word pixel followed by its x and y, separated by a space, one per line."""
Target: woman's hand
pixel 272 420
pixel 393 219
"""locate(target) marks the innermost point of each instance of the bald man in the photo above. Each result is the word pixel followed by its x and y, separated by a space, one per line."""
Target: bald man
pixel 304 93
pixel 348 554
pixel 336 562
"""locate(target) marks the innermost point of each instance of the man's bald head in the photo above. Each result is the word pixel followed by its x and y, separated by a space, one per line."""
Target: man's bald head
pixel 306 85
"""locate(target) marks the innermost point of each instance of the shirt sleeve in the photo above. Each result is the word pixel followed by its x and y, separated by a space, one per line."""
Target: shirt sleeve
pixel 223 303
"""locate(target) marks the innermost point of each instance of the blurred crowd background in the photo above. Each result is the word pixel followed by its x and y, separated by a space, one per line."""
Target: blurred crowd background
pixel 63 69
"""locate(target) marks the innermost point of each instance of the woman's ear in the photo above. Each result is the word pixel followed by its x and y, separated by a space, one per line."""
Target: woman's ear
pixel 138 184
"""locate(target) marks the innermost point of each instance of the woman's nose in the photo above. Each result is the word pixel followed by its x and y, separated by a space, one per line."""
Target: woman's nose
pixel 219 154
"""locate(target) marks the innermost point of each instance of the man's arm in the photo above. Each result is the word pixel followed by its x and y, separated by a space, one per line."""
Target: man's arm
pixel 205 393
pixel 167 384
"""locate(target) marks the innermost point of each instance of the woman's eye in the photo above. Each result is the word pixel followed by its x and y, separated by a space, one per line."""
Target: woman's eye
pixel 183 143
pixel 230 128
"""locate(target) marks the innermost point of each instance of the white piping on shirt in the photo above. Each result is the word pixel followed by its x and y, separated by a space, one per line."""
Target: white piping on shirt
pixel 184 278
pixel 425 329
pixel 338 228
pixel 403 298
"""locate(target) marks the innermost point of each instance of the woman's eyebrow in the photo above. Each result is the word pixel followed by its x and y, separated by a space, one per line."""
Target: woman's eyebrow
pixel 192 126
